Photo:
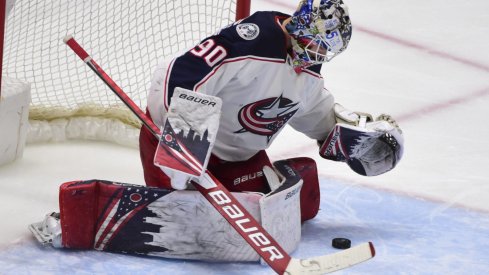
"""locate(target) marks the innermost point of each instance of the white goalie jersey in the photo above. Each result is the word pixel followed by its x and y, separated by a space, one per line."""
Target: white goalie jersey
pixel 247 65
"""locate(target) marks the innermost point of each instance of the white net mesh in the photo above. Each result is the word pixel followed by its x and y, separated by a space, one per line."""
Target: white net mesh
pixel 126 38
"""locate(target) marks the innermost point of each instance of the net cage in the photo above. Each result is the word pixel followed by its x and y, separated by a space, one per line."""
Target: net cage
pixel 126 38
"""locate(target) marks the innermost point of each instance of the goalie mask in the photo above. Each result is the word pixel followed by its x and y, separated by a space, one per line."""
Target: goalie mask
pixel 320 30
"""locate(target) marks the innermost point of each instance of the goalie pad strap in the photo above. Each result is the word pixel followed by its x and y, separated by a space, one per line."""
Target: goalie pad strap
pixel 75 206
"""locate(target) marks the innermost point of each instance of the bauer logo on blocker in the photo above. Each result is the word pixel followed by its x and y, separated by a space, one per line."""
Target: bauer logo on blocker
pixel 248 31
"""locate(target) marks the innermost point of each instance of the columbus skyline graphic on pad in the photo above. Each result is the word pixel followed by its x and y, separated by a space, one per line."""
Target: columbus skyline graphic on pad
pixel 183 152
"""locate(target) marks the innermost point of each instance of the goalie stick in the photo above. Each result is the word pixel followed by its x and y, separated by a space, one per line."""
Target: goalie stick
pixel 237 216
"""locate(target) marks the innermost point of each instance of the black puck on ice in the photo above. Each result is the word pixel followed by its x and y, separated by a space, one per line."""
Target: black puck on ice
pixel 341 243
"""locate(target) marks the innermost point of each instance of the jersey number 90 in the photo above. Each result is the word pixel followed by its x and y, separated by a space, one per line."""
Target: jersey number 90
pixel 210 52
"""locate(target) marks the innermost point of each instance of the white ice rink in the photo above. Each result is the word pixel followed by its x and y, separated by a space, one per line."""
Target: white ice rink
pixel 426 63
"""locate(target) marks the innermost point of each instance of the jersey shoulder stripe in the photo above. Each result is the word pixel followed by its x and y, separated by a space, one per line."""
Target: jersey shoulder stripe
pixel 258 37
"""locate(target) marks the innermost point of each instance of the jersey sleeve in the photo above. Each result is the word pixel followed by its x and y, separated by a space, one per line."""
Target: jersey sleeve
pixel 316 119
pixel 204 68
pixel 197 70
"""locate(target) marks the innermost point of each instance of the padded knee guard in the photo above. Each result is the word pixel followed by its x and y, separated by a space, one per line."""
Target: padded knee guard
pixel 307 170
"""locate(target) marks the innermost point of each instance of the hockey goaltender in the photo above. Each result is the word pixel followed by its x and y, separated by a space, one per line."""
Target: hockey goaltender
pixel 226 100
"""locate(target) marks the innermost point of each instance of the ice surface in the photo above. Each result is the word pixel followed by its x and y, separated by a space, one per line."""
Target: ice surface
pixel 411 236
pixel 425 63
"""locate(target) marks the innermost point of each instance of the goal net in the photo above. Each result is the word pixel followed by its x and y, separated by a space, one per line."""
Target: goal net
pixel 127 38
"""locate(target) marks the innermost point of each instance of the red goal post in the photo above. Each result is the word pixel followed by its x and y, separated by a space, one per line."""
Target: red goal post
pixel 2 28
pixel 129 37
pixel 242 9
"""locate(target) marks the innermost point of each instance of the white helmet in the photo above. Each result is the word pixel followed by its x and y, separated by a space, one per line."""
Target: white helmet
pixel 320 30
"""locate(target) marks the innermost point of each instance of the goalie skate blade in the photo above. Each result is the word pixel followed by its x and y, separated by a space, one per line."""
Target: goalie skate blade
pixel 331 262
pixel 36 229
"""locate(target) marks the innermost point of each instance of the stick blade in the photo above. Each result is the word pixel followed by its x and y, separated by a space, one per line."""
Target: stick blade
pixel 332 262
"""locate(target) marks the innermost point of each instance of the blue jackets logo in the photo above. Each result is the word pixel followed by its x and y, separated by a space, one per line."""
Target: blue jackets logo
pixel 266 117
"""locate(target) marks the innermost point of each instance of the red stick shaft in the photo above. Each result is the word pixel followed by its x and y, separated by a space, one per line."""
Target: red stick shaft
pixel 71 42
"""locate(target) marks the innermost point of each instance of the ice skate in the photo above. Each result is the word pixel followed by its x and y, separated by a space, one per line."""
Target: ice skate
pixel 48 231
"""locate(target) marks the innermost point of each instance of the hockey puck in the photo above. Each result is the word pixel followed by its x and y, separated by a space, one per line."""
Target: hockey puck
pixel 341 243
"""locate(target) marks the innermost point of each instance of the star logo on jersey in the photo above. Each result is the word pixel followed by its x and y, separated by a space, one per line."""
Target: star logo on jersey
pixel 266 117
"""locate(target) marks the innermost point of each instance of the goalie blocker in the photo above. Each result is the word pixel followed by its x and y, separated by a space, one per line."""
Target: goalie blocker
pixel 118 217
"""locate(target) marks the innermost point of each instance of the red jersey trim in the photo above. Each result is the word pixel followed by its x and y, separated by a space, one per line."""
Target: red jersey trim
pixel 165 84
pixel 237 59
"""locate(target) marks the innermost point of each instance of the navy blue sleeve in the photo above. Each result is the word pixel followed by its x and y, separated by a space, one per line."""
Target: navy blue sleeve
pixel 257 35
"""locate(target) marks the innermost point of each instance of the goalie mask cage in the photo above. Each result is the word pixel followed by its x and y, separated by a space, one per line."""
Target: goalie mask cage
pixel 127 38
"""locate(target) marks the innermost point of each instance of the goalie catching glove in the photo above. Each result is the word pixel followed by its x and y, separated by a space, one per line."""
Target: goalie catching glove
pixel 370 147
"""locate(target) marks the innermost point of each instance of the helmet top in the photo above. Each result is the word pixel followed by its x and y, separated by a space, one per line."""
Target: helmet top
pixel 320 30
